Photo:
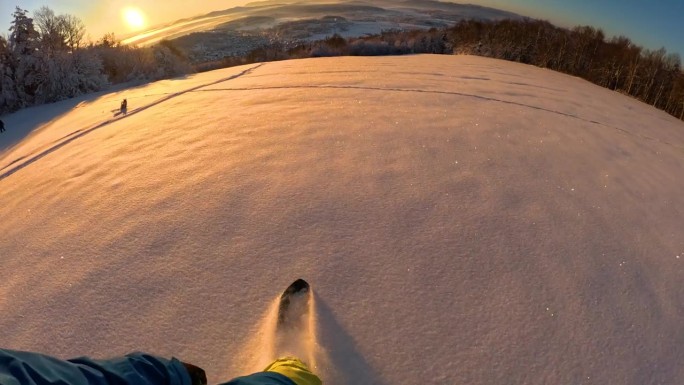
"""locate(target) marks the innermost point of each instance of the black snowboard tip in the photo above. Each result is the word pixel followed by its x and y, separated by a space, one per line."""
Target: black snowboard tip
pixel 296 287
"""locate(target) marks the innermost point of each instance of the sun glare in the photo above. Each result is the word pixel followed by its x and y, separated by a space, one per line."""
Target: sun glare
pixel 134 18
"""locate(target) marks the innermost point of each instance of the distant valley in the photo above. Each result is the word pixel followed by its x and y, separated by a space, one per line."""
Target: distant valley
pixel 237 31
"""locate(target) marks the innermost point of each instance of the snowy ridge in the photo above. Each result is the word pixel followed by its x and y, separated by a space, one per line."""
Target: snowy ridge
pixel 461 219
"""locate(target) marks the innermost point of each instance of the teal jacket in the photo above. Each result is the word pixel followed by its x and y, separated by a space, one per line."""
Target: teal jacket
pixel 26 368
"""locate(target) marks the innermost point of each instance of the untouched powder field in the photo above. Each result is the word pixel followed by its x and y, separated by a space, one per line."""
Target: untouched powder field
pixel 462 220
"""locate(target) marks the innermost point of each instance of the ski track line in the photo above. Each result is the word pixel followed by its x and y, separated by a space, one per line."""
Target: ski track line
pixel 40 149
pixel 82 132
pixel 487 98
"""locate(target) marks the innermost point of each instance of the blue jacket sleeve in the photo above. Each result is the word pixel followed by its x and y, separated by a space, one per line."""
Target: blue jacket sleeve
pixel 25 368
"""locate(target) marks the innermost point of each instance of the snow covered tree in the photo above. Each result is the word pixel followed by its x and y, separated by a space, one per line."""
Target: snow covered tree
pixel 89 67
pixel 23 38
pixel 170 62
pixel 48 25
pixel 108 40
pixel 59 32
pixel 8 94
pixel 45 64
pixel 27 71
pixel 74 30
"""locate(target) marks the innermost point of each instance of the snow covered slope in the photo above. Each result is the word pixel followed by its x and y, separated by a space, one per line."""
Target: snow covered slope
pixel 462 221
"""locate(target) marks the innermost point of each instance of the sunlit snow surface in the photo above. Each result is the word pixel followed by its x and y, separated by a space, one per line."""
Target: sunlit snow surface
pixel 462 221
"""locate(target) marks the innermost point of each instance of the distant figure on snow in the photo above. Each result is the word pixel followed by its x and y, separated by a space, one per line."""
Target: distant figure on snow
pixel 2 126
pixel 124 106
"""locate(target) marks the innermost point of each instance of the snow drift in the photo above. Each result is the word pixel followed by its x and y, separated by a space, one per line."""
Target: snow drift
pixel 462 221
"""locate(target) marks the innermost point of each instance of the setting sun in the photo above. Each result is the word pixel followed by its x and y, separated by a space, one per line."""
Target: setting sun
pixel 134 18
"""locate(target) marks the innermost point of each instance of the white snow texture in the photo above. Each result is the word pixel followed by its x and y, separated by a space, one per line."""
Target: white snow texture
pixel 461 220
